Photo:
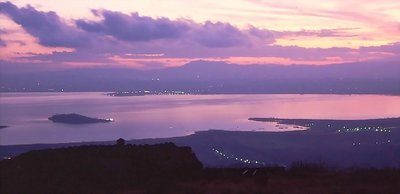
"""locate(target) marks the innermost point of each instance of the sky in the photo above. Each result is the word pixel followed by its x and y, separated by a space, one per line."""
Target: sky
pixel 152 34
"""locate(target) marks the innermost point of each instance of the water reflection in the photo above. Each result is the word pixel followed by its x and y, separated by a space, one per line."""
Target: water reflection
pixel 166 116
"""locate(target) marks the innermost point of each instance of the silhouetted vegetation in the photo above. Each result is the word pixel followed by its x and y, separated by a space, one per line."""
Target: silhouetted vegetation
pixel 166 168
pixel 88 169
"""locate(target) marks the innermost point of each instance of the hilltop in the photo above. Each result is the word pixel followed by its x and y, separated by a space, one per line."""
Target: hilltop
pixel 168 169
pixel 96 168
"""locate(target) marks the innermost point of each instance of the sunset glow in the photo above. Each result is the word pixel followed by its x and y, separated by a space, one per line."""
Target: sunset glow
pixel 158 34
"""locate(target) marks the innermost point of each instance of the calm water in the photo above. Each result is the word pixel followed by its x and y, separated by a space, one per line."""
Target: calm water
pixel 167 116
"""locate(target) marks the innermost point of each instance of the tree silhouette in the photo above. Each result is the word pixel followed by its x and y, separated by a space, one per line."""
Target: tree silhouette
pixel 120 142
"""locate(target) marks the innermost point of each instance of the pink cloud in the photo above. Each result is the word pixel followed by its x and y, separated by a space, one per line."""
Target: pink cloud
pixel 133 40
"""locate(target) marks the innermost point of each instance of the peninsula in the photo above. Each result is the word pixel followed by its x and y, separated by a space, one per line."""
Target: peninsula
pixel 375 125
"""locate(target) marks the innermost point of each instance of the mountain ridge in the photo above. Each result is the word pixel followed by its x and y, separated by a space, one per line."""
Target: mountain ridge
pixel 360 77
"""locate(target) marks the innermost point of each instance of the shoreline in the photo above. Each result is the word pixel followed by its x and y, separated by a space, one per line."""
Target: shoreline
pixel 333 145
pixel 195 94
pixel 339 125
pixel 283 121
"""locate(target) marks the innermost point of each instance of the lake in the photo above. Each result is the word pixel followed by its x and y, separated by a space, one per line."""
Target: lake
pixel 157 116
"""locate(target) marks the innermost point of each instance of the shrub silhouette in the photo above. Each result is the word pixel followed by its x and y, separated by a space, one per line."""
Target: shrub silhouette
pixel 91 168
pixel 120 142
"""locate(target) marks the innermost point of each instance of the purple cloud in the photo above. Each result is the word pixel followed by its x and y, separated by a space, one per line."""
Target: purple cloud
pixel 3 31
pixel 338 32
pixel 262 33
pixel 217 35
pixel 2 43
pixel 117 34
pixel 389 48
pixel 48 27
pixel 51 30
pixel 134 27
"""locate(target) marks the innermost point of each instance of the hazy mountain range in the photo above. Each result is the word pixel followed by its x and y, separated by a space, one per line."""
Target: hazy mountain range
pixel 217 77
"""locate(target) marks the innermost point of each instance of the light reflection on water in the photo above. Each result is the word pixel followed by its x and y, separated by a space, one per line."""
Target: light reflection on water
pixel 166 116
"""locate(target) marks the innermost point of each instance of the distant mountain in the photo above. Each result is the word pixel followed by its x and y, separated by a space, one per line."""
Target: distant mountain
pixel 218 77
pixel 221 70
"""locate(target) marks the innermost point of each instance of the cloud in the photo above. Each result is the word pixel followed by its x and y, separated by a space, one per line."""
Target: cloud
pixel 51 30
pixel 217 35
pixel 389 48
pixel 154 42
pixel 2 43
pixel 262 33
pixel 48 27
pixel 270 36
pixel 338 32
pixel 134 27
pixel 3 31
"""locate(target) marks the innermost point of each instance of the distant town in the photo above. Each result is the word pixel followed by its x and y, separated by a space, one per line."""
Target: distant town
pixel 149 92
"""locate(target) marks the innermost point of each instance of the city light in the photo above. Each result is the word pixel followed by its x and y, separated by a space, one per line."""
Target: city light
pixel 236 158
pixel 364 129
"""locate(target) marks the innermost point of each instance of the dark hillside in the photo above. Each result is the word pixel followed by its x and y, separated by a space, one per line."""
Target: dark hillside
pixel 88 169
pixel 168 169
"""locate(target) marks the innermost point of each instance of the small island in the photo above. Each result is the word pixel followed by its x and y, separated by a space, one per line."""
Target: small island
pixel 74 118
pixel 3 126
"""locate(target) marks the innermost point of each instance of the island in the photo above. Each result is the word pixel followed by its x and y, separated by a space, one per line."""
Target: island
pixel 74 118
pixel 3 126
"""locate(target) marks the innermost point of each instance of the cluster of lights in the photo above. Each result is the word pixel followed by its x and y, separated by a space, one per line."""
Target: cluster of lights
pixel 148 92
pixel 176 93
pixel 359 129
pixel 309 124
pixel 376 143
pixel 236 158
